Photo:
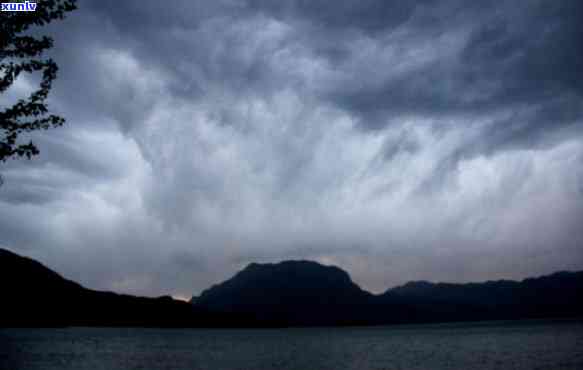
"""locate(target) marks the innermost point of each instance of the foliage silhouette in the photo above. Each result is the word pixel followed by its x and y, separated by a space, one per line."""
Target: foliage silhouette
pixel 20 53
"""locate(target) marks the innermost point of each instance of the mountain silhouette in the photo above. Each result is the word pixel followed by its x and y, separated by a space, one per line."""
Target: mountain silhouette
pixel 34 296
pixel 290 293
pixel 556 295
pixel 308 293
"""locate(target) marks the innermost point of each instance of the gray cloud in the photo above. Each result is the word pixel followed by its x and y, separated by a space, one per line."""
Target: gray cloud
pixel 399 140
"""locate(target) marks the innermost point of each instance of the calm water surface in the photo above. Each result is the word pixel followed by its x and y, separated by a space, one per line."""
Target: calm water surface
pixel 526 345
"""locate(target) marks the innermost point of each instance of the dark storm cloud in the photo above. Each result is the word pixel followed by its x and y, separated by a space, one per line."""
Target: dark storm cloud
pixel 402 140
pixel 515 58
pixel 369 16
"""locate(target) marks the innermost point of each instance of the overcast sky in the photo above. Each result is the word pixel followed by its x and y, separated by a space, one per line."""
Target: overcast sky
pixel 399 140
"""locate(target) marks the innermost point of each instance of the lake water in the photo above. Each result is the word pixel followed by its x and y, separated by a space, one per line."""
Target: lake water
pixel 524 345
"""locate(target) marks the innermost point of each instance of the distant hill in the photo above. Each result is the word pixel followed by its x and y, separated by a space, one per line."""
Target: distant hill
pixel 33 295
pixel 556 295
pixel 291 293
pixel 308 293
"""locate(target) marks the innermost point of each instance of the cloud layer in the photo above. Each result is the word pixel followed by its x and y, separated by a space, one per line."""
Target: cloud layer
pixel 399 140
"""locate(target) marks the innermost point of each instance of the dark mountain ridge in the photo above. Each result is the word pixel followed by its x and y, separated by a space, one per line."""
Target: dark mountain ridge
pixel 290 293
pixel 35 296
pixel 556 295
pixel 308 293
